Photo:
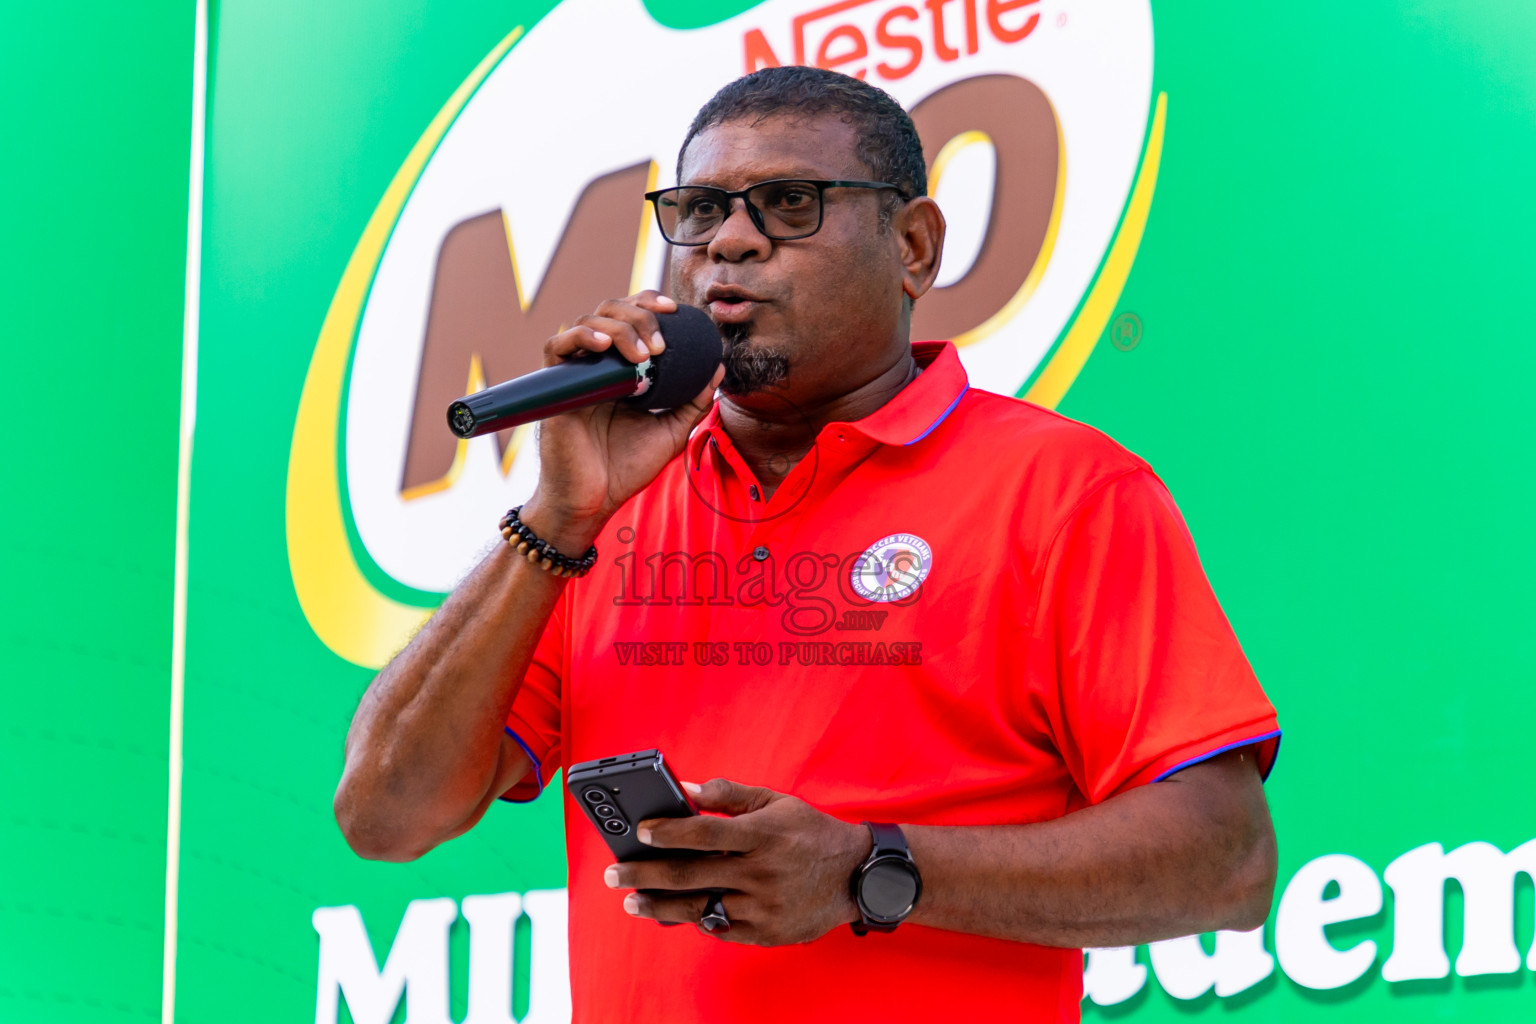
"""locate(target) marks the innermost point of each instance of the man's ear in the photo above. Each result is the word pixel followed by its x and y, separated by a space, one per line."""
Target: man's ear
pixel 919 227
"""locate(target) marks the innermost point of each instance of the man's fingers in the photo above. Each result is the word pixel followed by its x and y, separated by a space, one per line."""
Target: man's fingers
pixel 690 909
pixel 688 874
pixel 639 319
pixel 629 341
pixel 685 417
pixel 704 399
pixel 655 301
pixel 580 338
pixel 629 324
pixel 702 832
pixel 727 797
pixel 684 909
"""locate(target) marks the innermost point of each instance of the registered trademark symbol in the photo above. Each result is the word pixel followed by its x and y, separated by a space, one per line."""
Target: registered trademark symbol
pixel 1061 20
pixel 1125 332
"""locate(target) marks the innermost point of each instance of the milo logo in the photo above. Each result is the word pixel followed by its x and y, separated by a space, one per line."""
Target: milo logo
pixel 521 208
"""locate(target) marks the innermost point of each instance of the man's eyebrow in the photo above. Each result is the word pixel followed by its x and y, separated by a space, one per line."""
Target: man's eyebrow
pixel 798 174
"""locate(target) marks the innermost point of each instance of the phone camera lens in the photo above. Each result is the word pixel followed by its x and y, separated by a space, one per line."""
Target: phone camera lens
pixel 616 826
pixel 594 796
pixel 606 811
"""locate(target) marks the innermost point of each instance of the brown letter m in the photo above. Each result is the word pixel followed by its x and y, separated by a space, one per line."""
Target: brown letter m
pixel 480 329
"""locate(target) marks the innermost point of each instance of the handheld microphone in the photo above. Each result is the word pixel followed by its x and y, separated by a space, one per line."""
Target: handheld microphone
pixel 694 351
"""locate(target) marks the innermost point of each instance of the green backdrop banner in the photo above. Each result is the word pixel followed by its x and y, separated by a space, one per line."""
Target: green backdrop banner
pixel 93 171
pixel 1282 253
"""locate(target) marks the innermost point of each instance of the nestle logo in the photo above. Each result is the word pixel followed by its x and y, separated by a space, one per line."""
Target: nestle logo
pixel 891 40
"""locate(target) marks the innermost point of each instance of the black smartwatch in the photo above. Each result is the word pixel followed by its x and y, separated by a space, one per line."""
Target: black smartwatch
pixel 886 886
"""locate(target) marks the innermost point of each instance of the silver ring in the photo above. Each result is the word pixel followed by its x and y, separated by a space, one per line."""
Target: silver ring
pixel 714 918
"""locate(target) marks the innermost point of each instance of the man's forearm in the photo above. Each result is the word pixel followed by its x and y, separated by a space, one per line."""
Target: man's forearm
pixel 1192 854
pixel 426 738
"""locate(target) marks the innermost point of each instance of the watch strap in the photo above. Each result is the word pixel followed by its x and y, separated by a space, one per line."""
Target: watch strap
pixel 888 841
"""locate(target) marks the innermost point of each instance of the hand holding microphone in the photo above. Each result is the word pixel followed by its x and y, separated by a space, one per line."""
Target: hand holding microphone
pixel 599 443
pixel 656 382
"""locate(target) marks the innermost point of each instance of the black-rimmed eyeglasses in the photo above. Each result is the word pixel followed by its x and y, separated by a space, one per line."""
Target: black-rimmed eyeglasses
pixel 782 209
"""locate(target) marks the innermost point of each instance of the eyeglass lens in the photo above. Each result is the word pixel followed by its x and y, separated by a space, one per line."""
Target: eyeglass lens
pixel 786 209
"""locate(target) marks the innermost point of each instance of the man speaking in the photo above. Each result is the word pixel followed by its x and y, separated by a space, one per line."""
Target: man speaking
pixel 881 610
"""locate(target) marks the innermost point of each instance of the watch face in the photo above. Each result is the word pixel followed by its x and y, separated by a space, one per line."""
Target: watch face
pixel 888 889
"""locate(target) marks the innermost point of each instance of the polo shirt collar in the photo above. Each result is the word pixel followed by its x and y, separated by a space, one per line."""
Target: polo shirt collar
pixel 918 409
pixel 913 414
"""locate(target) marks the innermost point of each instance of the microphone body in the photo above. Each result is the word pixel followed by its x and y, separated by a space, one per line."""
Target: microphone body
pixel 604 377
pixel 694 351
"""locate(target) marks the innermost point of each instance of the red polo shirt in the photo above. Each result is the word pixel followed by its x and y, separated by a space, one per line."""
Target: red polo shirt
pixel 962 609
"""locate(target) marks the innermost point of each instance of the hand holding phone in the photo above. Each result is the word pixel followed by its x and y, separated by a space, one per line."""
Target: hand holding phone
pixel 617 793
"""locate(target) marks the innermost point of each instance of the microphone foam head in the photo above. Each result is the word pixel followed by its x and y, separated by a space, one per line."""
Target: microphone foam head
pixel 694 351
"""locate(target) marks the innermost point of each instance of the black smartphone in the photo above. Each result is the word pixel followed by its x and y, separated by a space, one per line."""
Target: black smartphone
pixel 618 793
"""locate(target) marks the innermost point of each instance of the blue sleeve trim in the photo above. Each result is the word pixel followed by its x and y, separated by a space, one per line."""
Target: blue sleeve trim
pixel 942 417
pixel 538 767
pixel 1222 750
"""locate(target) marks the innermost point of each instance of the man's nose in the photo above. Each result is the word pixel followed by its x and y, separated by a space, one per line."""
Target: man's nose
pixel 738 237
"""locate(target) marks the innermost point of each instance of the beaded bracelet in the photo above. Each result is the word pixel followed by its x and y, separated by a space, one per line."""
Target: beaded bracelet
pixel 540 552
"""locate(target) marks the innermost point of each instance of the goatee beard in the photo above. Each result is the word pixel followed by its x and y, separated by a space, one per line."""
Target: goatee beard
pixel 749 368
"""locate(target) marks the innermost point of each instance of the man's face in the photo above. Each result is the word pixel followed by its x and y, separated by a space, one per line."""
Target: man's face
pixel 827 308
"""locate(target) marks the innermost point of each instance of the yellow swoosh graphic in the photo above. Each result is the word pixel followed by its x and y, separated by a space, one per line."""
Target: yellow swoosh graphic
pixel 1068 360
pixel 348 614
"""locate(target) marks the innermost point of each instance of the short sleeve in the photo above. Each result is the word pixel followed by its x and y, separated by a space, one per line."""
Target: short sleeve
pixel 1150 677
pixel 534 719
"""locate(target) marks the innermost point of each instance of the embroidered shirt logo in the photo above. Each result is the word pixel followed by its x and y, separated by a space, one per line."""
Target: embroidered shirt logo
pixel 892 568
